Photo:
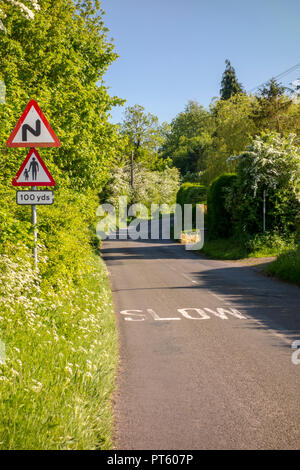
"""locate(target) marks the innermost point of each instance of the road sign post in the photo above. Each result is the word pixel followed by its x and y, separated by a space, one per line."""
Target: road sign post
pixel 34 224
pixel 33 172
pixel 33 130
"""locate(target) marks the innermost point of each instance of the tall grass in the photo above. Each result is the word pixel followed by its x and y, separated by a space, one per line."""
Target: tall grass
pixel 258 246
pixel 286 266
pixel 61 356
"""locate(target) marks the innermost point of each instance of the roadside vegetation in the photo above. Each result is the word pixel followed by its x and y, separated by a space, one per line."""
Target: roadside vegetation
pixel 243 151
pixel 61 356
pixel 57 325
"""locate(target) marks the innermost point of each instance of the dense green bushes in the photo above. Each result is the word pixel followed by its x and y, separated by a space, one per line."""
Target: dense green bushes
pixel 271 164
pixel 191 193
pixel 219 216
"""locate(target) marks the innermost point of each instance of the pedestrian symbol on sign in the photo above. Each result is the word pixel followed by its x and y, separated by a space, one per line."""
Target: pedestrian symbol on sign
pixel 34 167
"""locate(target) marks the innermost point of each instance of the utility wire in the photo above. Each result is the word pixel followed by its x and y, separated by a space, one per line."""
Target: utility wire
pixel 279 76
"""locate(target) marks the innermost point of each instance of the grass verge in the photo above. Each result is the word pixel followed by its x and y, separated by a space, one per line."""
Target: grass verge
pixel 286 266
pixel 259 246
pixel 60 360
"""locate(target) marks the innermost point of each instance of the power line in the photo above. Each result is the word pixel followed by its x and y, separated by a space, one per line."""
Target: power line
pixel 279 76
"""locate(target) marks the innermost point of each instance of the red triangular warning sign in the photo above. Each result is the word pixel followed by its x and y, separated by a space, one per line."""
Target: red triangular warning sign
pixel 33 172
pixel 33 129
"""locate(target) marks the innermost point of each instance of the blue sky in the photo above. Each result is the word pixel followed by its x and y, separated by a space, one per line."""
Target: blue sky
pixel 172 51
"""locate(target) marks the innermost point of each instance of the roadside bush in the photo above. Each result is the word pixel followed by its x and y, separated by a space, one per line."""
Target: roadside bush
pixel 298 229
pixel 269 244
pixel 219 214
pixel 271 164
pixel 191 193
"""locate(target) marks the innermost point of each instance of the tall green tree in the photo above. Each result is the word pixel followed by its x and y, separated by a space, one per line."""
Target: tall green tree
pixel 144 134
pixel 272 106
pixel 188 137
pixel 59 58
pixel 234 129
pixel 229 84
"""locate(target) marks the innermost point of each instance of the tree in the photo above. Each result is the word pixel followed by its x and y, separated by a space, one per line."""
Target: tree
pixel 21 7
pixel 234 129
pixel 187 138
pixel 144 134
pixel 271 107
pixel 59 59
pixel 229 84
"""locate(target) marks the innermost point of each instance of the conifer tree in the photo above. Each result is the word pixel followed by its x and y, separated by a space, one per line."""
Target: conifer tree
pixel 229 84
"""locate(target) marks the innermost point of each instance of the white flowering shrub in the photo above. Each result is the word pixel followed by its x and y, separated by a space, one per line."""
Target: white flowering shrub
pixel 271 164
pixel 150 187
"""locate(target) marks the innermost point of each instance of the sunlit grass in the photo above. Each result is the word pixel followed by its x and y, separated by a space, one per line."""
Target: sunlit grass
pixel 61 356
pixel 286 266
pixel 259 246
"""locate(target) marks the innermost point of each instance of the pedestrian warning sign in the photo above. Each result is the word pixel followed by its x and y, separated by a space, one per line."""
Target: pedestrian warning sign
pixel 33 172
pixel 33 129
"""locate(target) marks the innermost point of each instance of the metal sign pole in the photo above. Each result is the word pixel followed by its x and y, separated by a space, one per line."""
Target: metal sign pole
pixel 34 223
pixel 264 211
pixel 131 169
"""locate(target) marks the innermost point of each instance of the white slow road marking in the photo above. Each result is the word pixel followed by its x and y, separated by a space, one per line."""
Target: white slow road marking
pixel 201 314
pixel 273 332
pixel 189 313
pixel 158 318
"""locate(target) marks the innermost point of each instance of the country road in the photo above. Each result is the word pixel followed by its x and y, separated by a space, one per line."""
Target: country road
pixel 205 351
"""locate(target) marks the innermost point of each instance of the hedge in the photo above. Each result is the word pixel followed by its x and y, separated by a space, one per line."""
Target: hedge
pixel 219 220
pixel 191 193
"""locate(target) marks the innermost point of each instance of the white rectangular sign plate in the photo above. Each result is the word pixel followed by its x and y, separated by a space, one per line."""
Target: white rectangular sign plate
pixel 32 198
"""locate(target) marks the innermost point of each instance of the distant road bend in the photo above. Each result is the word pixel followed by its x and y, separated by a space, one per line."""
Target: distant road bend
pixel 205 351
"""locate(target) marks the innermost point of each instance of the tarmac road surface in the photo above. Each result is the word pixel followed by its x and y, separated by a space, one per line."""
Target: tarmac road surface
pixel 205 351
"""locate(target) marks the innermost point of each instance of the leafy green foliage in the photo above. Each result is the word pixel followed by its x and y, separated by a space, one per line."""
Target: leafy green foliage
pixel 271 107
pixel 219 218
pixel 188 136
pixel 56 384
pixel 201 141
pixel 144 135
pixel 58 59
pixel 269 244
pixel 272 164
pixel 191 193
pixel 234 130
